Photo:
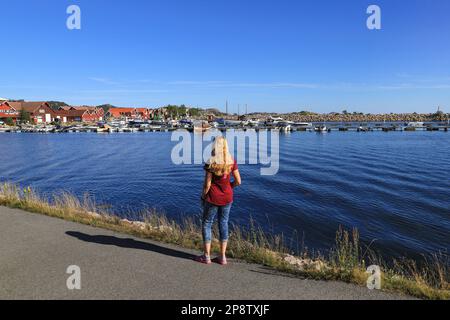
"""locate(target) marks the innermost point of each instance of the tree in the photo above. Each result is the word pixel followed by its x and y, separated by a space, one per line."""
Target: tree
pixel 9 121
pixel 24 116
pixel 56 104
pixel 106 107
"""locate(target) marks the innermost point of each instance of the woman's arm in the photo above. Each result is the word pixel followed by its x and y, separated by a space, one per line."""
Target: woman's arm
pixel 237 179
pixel 206 184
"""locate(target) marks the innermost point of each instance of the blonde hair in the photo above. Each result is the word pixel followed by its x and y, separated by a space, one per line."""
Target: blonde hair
pixel 221 162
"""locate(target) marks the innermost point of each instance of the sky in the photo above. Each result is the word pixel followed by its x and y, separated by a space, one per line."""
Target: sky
pixel 272 55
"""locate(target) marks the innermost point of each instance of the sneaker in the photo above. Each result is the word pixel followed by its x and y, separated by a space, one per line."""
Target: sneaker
pixel 221 261
pixel 203 259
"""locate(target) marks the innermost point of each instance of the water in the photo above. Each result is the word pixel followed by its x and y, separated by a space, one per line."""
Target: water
pixel 394 187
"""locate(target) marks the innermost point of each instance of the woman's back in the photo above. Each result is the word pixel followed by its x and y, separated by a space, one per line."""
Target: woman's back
pixel 221 191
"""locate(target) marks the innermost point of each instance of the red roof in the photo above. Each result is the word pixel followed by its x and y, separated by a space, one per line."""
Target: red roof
pixel 70 113
pixel 30 107
pixel 117 112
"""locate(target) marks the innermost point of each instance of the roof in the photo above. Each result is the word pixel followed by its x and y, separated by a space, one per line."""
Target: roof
pixel 85 108
pixel 143 110
pixel 120 111
pixel 70 113
pixel 28 106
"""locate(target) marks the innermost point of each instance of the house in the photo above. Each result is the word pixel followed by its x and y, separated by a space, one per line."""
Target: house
pixel 7 111
pixel 142 113
pixel 94 113
pixel 40 112
pixel 74 115
pixel 121 113
pixel 79 114
pixel 64 108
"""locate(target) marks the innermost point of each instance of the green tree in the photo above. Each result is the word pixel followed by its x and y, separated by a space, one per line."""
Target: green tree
pixel 56 104
pixel 24 116
pixel 9 121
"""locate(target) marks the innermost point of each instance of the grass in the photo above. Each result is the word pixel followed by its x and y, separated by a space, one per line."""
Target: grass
pixel 346 261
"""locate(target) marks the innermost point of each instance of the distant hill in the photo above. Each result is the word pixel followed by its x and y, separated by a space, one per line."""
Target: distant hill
pixel 56 104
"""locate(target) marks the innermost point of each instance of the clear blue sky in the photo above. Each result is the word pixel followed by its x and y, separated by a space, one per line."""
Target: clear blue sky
pixel 275 55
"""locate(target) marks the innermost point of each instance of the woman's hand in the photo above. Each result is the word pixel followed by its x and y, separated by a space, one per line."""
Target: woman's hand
pixel 237 179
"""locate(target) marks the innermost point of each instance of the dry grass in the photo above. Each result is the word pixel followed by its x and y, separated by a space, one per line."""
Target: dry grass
pixel 345 262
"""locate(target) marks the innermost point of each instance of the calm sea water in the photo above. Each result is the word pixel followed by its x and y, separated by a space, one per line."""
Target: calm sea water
pixel 394 187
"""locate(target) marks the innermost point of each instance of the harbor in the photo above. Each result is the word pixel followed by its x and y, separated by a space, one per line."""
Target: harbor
pixel 163 126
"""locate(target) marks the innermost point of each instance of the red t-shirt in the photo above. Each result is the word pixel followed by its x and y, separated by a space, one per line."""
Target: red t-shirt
pixel 221 191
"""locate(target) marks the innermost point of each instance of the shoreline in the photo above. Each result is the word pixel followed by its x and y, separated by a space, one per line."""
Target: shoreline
pixel 346 262
pixel 313 127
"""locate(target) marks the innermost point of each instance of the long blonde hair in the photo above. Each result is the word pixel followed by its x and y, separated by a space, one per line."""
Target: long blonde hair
pixel 221 161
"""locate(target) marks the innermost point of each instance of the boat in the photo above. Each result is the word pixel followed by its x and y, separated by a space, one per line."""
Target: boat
pixel 363 129
pixel 104 129
pixel 322 128
pixel 157 123
pixel 415 125
pixel 303 124
pixel 232 123
pixel 254 122
pixel 274 121
pixel 201 126
pixel 214 124
pixel 285 123
pixel 172 123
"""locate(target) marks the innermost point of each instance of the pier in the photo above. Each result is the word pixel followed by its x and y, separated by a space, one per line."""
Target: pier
pixel 329 128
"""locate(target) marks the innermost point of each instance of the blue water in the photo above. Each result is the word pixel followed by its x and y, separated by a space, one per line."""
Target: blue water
pixel 394 187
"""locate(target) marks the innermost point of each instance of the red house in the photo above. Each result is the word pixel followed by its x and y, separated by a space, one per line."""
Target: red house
pixel 95 114
pixel 7 111
pixel 40 112
pixel 121 113
pixel 79 114
pixel 130 113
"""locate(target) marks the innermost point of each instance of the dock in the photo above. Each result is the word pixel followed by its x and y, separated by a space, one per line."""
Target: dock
pixel 330 128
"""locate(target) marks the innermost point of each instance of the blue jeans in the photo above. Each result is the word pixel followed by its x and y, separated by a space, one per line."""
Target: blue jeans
pixel 209 213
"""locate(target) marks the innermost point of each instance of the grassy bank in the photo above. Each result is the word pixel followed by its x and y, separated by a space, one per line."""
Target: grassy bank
pixel 347 261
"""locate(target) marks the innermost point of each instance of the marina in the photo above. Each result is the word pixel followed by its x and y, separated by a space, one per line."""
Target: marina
pixel 134 127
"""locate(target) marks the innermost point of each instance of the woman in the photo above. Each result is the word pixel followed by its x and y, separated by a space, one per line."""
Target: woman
pixel 217 198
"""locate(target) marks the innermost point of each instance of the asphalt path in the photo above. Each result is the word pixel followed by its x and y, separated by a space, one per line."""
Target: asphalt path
pixel 36 252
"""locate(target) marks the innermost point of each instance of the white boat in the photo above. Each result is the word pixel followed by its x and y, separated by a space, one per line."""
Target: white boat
pixel 275 120
pixel 303 124
pixel 173 123
pixel 321 129
pixel 285 123
pixel 254 122
pixel 415 125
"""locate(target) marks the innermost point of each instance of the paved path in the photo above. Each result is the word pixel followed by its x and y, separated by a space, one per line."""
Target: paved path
pixel 36 250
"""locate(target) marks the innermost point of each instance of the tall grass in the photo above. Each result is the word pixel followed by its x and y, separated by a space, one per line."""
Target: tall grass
pixel 346 261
